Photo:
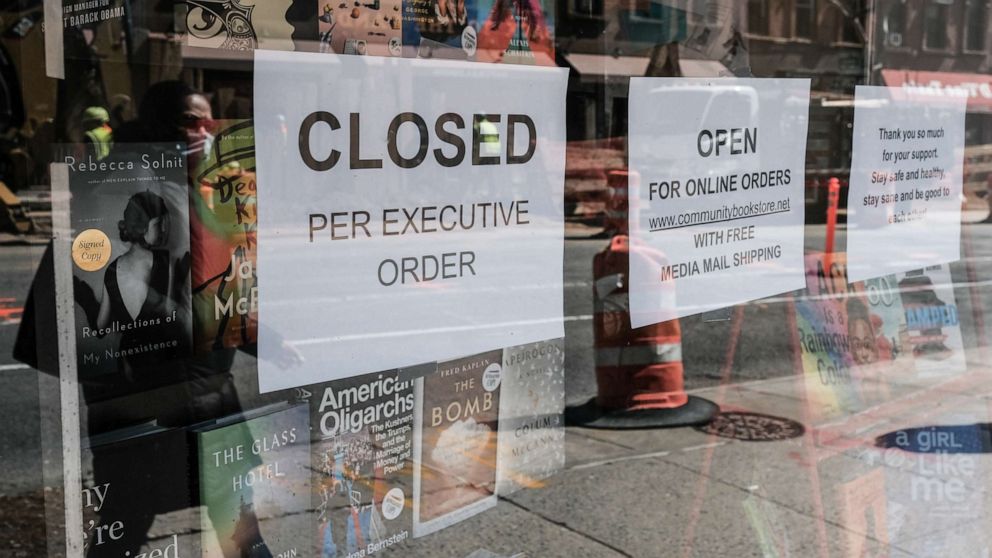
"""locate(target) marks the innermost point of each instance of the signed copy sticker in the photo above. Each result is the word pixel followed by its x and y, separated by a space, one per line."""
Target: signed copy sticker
pixel 409 211
pixel 904 201
pixel 716 193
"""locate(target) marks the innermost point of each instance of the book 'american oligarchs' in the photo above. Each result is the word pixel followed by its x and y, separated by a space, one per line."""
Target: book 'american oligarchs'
pixel 456 441
pixel 223 226
pixel 531 415
pixel 362 463
pixel 131 251
pixel 255 484
pixel 118 507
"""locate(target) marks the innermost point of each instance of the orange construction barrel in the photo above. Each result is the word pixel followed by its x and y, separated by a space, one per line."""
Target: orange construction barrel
pixel 639 373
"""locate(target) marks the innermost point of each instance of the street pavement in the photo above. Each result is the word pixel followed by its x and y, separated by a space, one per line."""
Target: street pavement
pixel 765 480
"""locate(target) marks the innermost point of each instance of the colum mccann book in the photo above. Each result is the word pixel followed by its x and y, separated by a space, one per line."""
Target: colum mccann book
pixel 223 226
pixel 255 484
pixel 531 415
pixel 130 253
pixel 363 463
pixel 457 441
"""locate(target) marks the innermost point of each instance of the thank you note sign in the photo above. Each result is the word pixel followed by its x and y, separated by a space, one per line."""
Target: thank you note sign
pixel 904 201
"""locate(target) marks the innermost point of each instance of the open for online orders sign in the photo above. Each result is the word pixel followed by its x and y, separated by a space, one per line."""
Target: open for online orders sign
pixel 409 211
pixel 716 193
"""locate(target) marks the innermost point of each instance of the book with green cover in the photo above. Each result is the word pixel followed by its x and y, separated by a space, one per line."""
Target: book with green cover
pixel 255 484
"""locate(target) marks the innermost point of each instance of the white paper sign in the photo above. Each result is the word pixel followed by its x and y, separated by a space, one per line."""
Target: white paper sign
pixel 409 211
pixel 716 193
pixel 904 200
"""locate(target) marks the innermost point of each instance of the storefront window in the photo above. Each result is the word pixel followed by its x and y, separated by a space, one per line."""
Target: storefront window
pixel 976 13
pixel 495 278
pixel 805 21
pixel 935 25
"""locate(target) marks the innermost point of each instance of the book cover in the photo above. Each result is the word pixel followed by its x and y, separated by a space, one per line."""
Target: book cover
pixel 445 29
pixel 933 321
pixel 239 25
pixel 531 415
pixel 255 485
pixel 456 441
pixel 878 337
pixel 362 463
pixel 92 30
pixel 223 226
pixel 517 32
pixel 118 507
pixel 934 479
pixel 131 253
pixel 821 317
pixel 373 27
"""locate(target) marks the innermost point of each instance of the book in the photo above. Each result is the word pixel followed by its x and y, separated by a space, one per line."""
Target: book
pixel 456 441
pixel 446 29
pixel 131 249
pixel 118 507
pixel 853 338
pixel 373 27
pixel 933 321
pixel 531 415
pixel 223 227
pixel 517 32
pixel 254 473
pixel 362 463
pixel 821 317
pixel 237 26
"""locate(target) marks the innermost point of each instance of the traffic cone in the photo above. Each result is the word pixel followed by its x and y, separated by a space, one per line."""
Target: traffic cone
pixel 615 212
pixel 639 373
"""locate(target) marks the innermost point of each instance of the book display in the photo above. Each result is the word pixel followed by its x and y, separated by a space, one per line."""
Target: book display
pixel 495 278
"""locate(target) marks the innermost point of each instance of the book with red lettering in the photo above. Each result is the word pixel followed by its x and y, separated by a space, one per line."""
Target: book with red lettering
pixel 223 224
pixel 456 439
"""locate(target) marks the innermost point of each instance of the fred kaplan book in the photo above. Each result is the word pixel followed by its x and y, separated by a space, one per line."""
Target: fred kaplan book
pixel 458 424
